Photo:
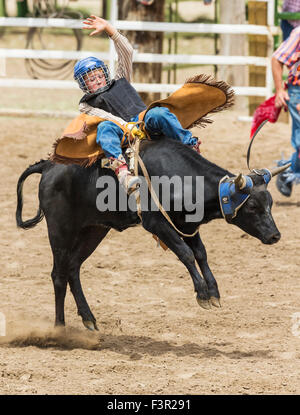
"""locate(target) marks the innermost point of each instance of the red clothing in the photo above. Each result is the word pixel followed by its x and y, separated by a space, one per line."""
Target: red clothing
pixel 288 53
pixel 265 111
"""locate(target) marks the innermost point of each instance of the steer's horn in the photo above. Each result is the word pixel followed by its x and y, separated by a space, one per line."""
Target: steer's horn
pixel 280 169
pixel 240 181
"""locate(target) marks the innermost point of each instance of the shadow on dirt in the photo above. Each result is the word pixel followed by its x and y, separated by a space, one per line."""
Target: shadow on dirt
pixel 135 347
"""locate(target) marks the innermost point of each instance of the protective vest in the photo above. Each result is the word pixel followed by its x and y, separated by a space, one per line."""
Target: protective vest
pixel 121 100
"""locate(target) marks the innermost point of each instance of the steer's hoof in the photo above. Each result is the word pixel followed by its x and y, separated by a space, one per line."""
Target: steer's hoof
pixel 203 303
pixel 90 325
pixel 60 330
pixel 215 302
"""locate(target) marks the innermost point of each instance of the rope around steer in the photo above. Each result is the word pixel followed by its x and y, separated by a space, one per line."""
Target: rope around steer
pixel 137 161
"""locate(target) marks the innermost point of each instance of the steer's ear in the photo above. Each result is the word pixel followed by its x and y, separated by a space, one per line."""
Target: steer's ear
pixel 240 181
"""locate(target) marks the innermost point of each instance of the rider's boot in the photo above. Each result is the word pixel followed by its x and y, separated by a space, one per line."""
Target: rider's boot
pixel 127 180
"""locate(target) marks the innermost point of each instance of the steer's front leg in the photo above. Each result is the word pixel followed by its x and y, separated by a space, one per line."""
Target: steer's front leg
pixel 196 244
pixel 157 225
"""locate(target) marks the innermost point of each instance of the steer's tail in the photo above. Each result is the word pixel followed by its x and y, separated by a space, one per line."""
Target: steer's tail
pixel 27 224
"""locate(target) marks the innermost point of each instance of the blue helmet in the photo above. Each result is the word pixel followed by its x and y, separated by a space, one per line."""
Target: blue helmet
pixel 86 65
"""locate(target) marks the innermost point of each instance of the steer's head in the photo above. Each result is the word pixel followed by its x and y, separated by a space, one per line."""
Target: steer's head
pixel 246 203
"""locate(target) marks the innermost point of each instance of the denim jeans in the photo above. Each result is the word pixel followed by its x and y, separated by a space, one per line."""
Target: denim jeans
pixel 158 121
pixel 294 95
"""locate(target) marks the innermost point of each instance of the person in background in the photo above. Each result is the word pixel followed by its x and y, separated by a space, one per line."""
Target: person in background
pixel 291 6
pixel 288 54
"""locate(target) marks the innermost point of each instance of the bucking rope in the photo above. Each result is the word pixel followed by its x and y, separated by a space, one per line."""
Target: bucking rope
pixel 139 133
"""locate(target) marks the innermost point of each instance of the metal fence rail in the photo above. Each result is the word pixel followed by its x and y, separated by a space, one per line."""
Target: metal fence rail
pixel 143 57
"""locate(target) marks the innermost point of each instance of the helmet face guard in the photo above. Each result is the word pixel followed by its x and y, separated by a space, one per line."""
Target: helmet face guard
pixel 92 75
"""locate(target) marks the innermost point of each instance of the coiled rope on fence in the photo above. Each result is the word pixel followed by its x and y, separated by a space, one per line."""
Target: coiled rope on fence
pixel 41 68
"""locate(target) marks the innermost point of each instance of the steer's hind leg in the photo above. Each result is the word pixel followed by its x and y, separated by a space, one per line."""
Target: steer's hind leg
pixel 70 249
pixel 60 279
pixel 199 250
pixel 160 227
pixel 86 242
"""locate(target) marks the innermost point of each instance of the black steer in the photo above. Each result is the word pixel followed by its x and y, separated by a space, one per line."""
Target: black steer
pixel 68 194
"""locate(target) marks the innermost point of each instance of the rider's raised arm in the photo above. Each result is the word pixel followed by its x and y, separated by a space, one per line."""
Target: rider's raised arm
pixel 125 54
pixel 123 47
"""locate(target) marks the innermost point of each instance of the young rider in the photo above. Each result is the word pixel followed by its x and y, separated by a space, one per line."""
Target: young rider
pixel 117 100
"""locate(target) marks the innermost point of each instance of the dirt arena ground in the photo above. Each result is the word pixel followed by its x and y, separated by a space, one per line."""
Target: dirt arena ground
pixel 153 338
